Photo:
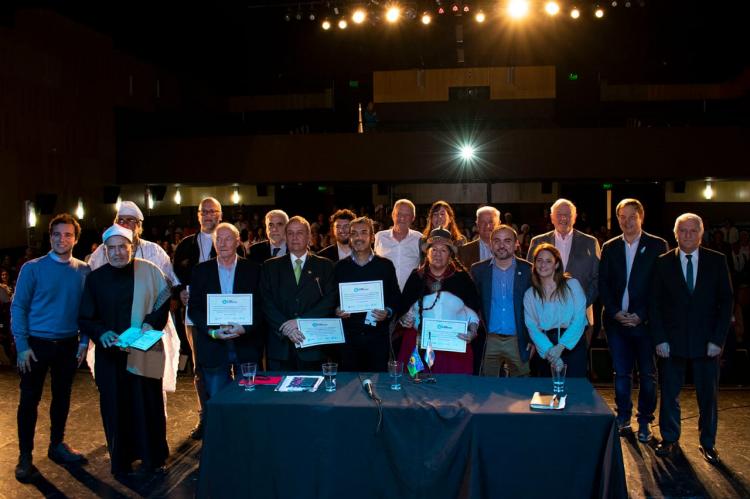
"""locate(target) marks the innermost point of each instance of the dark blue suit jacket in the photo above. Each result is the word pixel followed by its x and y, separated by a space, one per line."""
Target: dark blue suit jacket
pixel 482 274
pixel 613 277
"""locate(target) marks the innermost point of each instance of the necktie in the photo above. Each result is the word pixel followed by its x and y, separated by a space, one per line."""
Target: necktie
pixel 276 251
pixel 297 269
pixel 689 273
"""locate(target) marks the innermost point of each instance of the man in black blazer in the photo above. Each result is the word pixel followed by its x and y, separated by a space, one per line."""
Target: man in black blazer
pixel 502 282
pixel 275 222
pixel 691 308
pixel 340 249
pixel 625 275
pixel 219 350
pixel 298 285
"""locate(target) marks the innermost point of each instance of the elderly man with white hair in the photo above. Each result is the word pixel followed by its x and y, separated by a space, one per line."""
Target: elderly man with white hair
pixel 127 293
pixel 488 217
pixel 690 312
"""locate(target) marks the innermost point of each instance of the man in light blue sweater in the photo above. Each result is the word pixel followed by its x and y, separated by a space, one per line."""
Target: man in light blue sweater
pixel 44 321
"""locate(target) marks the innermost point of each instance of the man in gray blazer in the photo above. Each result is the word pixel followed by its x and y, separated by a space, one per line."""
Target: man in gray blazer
pixel 580 252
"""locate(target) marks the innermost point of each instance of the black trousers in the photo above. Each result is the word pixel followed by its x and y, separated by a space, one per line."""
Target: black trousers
pixel 706 379
pixel 58 357
pixel 198 381
pixel 365 353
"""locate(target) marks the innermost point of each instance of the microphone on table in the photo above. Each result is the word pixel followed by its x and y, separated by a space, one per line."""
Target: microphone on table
pixel 367 385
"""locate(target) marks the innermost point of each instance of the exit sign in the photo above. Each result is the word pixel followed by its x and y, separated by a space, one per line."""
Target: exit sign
pixel 573 76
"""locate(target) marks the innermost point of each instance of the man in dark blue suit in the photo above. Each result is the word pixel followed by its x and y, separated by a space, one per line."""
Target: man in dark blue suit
pixel 502 282
pixel 691 308
pixel 625 289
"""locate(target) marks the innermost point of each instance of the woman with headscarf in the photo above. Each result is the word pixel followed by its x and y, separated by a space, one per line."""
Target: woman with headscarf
pixel 555 313
pixel 440 289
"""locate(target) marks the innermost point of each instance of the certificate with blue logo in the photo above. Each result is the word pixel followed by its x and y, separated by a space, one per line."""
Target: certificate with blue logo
pixel 229 309
pixel 321 332
pixel 443 335
pixel 362 296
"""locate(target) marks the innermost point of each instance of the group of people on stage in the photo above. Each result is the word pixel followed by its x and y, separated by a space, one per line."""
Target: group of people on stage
pixel 522 316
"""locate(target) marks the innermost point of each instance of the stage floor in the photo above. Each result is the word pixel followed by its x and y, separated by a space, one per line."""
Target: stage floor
pixel 686 475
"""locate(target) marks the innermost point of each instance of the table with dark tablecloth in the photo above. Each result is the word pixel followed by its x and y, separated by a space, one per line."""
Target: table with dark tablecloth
pixel 464 436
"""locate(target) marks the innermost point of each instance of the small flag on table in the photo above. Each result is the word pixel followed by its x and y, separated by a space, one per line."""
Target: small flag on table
pixel 415 363
pixel 429 355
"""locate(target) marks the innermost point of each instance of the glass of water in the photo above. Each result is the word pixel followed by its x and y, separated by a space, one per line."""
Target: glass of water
pixel 329 372
pixel 248 372
pixel 558 370
pixel 395 370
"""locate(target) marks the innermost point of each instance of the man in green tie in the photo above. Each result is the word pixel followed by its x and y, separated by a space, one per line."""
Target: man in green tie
pixel 298 285
pixel 691 307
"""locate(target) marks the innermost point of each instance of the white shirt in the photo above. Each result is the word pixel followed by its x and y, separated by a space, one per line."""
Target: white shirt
pixel 404 254
pixel 205 242
pixel 282 248
pixel 541 316
pixel 145 250
pixel 485 251
pixel 630 252
pixel 294 259
pixel 563 245
pixel 344 250
pixel 683 262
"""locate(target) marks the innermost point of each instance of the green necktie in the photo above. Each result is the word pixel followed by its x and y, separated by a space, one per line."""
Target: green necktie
pixel 297 269
pixel 689 273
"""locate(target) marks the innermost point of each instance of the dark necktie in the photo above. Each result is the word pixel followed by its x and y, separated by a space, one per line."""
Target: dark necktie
pixel 276 251
pixel 689 273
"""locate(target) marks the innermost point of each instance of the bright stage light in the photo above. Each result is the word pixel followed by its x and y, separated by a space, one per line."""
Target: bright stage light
pixel 518 8
pixel 575 13
pixel 79 209
pixel 599 12
pixel 177 197
pixel 708 192
pixel 552 8
pixel 236 196
pixel 343 24
pixel 393 14
pixel 467 152
pixel 359 16
pixel 426 18
pixel 480 17
pixel 326 25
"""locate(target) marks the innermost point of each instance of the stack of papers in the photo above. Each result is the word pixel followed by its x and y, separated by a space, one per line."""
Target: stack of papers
pixel 299 383
pixel 547 401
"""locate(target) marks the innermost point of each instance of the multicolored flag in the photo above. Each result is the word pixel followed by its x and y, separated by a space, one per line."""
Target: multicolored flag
pixel 415 364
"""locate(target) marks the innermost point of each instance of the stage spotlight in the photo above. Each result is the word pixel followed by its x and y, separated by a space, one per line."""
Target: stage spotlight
pixel 392 14
pixel 480 17
pixel 552 8
pixel 343 24
pixel 236 196
pixel 466 9
pixel 311 16
pixel 467 152
pixel 326 24
pixel 177 197
pixel 599 12
pixel 426 18
pixel 287 17
pixel 708 192
pixel 441 10
pixel 298 16
pixel 518 8
pixel 575 13
pixel 359 16
pixel 454 8
pixel 80 211
pixel 614 3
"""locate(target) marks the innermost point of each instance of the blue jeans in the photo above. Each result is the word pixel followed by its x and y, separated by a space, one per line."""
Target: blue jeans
pixel 217 377
pixel 628 346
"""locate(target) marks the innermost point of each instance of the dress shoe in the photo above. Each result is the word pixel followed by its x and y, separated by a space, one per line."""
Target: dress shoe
pixel 710 454
pixel 197 432
pixel 666 449
pixel 623 427
pixel 24 468
pixel 62 453
pixel 644 433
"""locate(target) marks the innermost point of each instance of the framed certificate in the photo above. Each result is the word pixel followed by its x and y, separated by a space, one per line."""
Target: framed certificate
pixel 229 309
pixel 321 332
pixel 443 335
pixel 361 296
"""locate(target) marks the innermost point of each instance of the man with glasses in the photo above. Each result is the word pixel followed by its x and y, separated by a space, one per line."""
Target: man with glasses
pixel 45 327
pixel 340 249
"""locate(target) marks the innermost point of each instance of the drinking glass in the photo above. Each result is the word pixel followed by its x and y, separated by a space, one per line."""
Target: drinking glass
pixel 329 371
pixel 248 372
pixel 395 370
pixel 558 377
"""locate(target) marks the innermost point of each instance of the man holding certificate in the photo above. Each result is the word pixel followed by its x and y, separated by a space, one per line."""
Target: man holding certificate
pixel 298 285
pixel 224 307
pixel 368 295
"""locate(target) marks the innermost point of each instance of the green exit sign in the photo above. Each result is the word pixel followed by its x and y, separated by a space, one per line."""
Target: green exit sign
pixel 607 186
pixel 573 76
pixel 353 83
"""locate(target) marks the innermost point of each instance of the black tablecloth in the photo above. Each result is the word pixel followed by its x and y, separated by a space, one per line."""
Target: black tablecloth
pixel 462 437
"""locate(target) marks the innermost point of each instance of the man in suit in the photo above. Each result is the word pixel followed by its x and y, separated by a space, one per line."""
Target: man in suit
pixel 219 351
pixel 502 282
pixel 340 249
pixel 625 291
pixel 295 286
pixel 480 249
pixel 275 222
pixel 580 252
pixel 691 308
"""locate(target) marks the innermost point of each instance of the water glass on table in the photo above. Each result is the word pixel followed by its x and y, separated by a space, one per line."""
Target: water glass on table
pixel 329 373
pixel 248 372
pixel 558 370
pixel 395 370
